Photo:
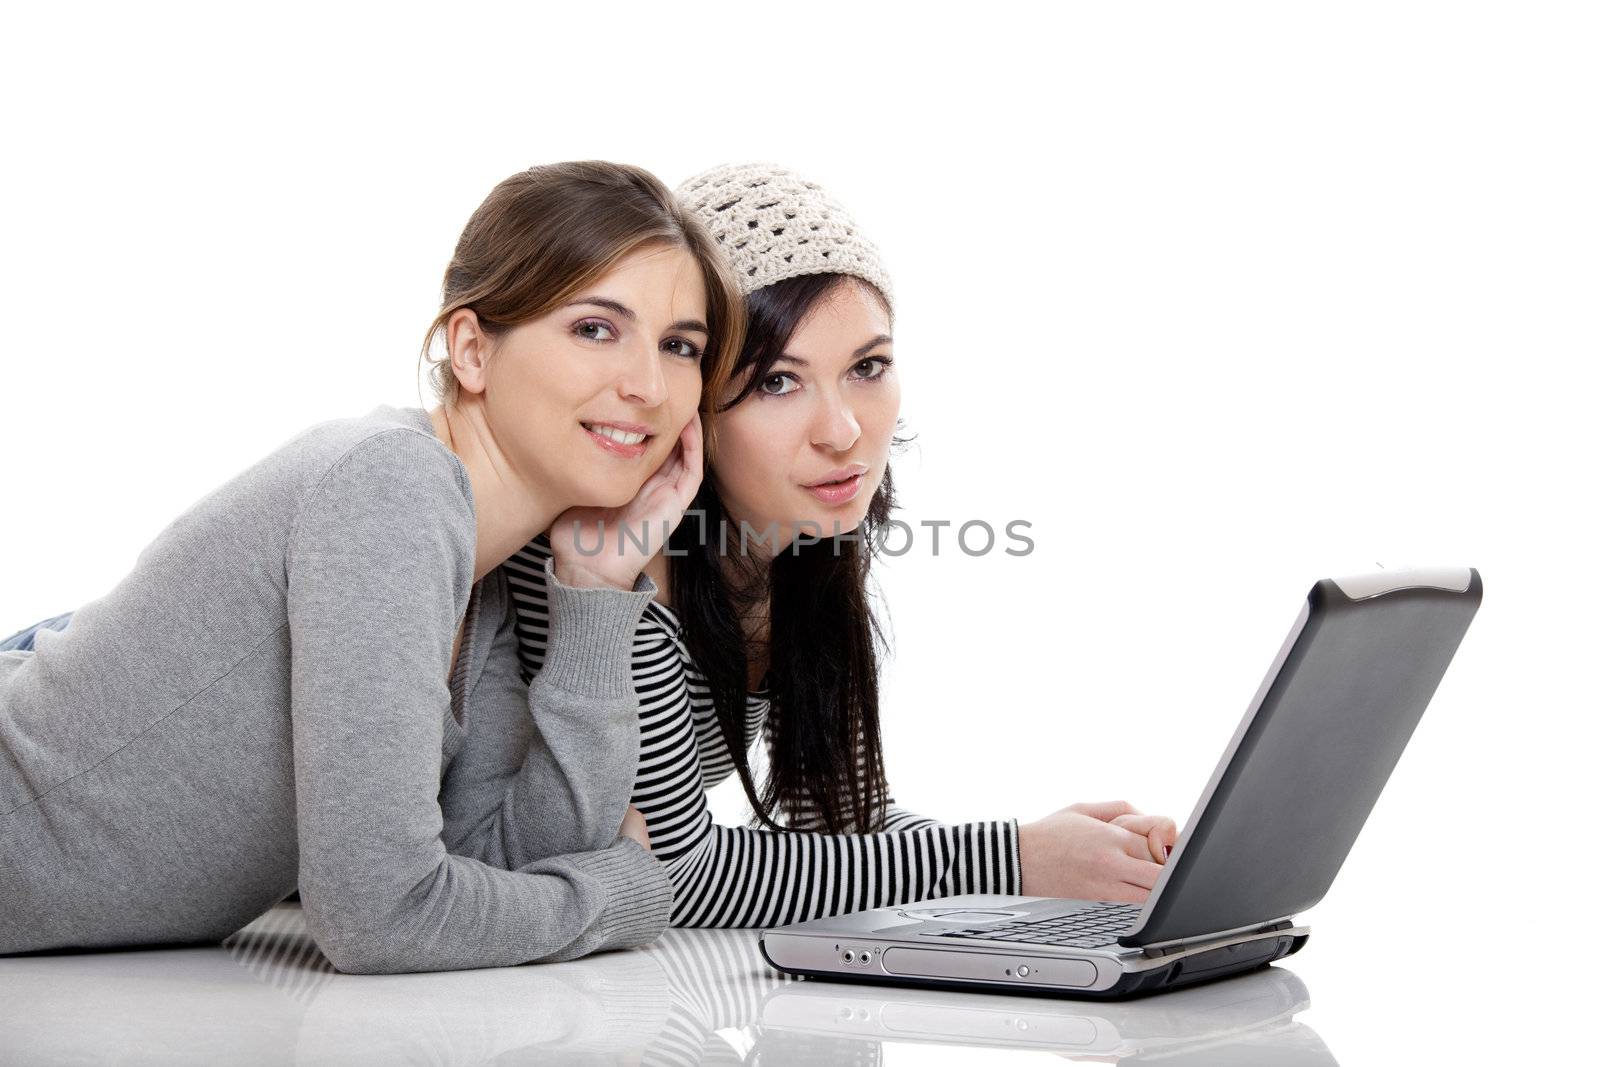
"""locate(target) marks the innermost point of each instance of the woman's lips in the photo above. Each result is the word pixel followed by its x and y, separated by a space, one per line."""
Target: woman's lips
pixel 837 492
pixel 629 448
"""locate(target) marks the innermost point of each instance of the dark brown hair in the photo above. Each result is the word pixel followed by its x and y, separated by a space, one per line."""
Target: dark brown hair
pixel 543 235
pixel 825 760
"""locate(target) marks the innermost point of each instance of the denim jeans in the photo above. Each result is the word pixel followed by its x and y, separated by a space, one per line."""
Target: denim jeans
pixel 22 640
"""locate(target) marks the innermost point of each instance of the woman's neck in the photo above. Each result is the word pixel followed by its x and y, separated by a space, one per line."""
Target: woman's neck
pixel 511 508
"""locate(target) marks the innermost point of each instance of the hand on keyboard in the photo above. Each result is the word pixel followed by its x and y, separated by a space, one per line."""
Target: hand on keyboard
pixel 1081 852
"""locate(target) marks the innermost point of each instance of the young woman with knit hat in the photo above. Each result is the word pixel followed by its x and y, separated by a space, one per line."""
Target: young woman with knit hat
pixel 311 678
pixel 772 636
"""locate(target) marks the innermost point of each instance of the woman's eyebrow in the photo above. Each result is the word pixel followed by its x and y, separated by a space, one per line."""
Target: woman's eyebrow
pixel 603 302
pixel 628 313
pixel 882 338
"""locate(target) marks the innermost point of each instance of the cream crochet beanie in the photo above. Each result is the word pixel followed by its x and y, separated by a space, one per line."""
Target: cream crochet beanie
pixel 772 224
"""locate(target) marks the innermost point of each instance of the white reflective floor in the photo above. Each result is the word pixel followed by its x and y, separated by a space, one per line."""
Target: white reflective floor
pixel 267 996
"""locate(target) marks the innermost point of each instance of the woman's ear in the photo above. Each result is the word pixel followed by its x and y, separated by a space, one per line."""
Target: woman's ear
pixel 469 350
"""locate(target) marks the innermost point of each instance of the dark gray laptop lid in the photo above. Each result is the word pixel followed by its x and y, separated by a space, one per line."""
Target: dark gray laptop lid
pixel 1307 763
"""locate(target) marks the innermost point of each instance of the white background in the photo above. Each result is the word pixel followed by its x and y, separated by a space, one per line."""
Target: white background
pixel 1220 298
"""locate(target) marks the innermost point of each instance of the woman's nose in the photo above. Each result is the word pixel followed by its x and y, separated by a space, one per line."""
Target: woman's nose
pixel 642 380
pixel 836 426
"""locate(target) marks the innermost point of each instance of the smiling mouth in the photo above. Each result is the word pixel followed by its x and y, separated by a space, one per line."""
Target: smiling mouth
pixel 612 433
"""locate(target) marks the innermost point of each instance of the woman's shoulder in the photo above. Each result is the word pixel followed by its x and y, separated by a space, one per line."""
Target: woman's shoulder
pixel 384 452
pixel 404 434
pixel 384 464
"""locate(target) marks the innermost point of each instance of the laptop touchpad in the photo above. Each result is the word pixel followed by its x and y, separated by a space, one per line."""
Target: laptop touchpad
pixel 968 918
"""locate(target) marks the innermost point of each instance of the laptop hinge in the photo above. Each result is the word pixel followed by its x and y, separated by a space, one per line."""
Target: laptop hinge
pixel 1168 948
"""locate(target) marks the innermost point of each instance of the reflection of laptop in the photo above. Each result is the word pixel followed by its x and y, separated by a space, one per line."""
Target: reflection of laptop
pixel 1271 829
pixel 1211 1023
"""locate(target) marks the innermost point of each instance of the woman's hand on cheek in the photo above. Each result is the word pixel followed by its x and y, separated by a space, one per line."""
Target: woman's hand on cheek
pixel 589 544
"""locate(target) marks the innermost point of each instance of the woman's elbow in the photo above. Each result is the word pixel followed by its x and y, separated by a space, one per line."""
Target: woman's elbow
pixel 359 948
pixel 363 953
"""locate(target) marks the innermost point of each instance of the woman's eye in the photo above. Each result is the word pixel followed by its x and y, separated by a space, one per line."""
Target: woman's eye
pixel 679 347
pixel 778 384
pixel 872 368
pixel 595 330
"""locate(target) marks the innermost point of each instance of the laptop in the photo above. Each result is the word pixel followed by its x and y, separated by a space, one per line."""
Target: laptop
pixel 1271 829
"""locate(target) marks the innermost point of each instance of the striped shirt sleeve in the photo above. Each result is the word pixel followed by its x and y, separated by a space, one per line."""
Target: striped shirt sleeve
pixel 738 876
pixel 805 816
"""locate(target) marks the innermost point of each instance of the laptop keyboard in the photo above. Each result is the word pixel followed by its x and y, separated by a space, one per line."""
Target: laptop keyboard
pixel 1096 926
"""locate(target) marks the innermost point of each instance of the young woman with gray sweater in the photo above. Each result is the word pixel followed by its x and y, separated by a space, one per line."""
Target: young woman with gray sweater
pixel 310 678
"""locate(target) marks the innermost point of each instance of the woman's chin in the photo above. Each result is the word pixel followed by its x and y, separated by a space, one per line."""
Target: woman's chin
pixel 621 497
pixel 831 523
pixel 607 490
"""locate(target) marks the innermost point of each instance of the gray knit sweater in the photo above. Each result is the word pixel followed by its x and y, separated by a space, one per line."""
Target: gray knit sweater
pixel 266 702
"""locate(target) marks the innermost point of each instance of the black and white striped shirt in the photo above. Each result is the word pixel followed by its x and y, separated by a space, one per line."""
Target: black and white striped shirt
pixel 747 876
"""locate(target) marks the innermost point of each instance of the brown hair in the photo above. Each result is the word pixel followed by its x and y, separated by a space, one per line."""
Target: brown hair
pixel 542 235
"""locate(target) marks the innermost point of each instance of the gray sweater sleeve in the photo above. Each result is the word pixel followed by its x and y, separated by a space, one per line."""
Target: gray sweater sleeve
pixel 375 571
pixel 568 743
